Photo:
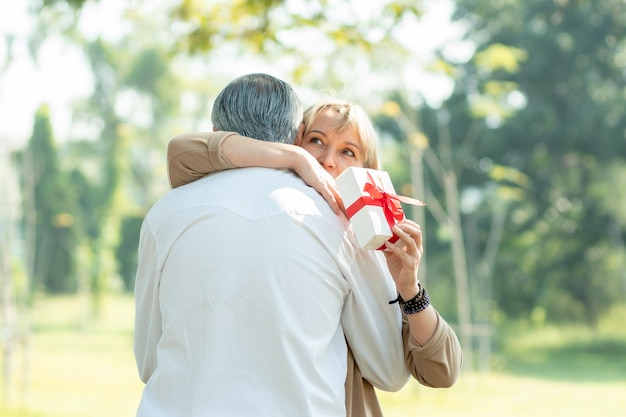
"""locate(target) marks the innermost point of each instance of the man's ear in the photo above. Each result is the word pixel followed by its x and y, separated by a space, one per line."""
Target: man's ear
pixel 300 135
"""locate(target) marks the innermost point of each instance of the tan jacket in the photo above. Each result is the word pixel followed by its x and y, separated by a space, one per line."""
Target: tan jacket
pixel 437 364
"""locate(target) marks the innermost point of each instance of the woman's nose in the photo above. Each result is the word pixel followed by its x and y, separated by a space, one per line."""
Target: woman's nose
pixel 326 160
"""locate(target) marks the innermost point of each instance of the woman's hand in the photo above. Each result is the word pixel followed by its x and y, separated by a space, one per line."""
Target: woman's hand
pixel 403 258
pixel 312 173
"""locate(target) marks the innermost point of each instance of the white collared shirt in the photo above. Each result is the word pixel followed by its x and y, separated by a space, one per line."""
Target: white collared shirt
pixel 247 283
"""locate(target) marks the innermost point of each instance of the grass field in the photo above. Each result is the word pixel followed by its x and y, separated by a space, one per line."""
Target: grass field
pixel 74 368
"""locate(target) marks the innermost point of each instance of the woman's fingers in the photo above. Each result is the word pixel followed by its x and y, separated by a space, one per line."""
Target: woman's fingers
pixel 410 234
pixel 331 195
pixel 328 190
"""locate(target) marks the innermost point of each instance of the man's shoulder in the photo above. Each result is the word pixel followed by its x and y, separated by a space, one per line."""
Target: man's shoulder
pixel 258 180
pixel 252 190
pixel 256 174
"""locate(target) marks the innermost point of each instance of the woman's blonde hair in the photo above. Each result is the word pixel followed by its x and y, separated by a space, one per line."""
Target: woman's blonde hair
pixel 348 115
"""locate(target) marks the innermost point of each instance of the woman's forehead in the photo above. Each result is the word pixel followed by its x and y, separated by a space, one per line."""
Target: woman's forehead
pixel 345 136
pixel 329 120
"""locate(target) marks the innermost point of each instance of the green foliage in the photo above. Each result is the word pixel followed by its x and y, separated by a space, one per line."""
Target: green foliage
pixel 535 129
pixel 148 73
pixel 126 252
pixel 75 4
pixel 566 126
pixel 606 190
pixel 266 26
pixel 103 169
pixel 52 209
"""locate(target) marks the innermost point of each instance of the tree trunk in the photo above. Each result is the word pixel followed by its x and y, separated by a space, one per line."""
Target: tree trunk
pixel 418 213
pixel 460 268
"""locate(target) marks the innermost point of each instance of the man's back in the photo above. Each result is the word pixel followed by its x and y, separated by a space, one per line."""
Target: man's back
pixel 251 265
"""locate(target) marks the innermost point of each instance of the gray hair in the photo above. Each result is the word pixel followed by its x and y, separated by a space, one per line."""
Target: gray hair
pixel 258 106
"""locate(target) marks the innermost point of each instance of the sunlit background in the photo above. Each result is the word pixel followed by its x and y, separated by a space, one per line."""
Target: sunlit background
pixel 506 117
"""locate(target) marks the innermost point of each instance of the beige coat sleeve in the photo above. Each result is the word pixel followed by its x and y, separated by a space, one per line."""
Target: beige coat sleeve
pixel 191 156
pixel 438 363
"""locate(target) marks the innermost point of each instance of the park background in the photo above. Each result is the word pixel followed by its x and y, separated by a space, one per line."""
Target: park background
pixel 506 117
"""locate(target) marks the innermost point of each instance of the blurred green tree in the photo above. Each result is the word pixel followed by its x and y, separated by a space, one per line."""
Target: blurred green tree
pixel 115 183
pixel 50 211
pixel 536 113
pixel 519 165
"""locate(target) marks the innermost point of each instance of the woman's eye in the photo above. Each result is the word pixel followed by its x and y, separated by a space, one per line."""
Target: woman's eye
pixel 348 152
pixel 317 141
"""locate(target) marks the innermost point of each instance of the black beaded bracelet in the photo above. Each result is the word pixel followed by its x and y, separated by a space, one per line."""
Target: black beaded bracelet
pixel 415 304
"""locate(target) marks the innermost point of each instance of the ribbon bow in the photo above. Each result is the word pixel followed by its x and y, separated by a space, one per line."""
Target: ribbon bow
pixel 375 195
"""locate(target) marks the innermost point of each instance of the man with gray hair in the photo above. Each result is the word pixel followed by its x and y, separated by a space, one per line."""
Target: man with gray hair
pixel 248 287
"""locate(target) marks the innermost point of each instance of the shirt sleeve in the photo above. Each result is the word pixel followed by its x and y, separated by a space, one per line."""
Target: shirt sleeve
pixel 147 312
pixel 191 156
pixel 438 363
pixel 373 327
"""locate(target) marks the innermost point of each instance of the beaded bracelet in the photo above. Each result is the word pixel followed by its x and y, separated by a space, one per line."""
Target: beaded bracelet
pixel 415 304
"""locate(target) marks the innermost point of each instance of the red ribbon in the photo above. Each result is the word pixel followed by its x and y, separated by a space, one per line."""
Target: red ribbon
pixel 375 195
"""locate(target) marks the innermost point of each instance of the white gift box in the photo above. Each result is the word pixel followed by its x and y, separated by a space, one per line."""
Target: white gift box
pixel 367 195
